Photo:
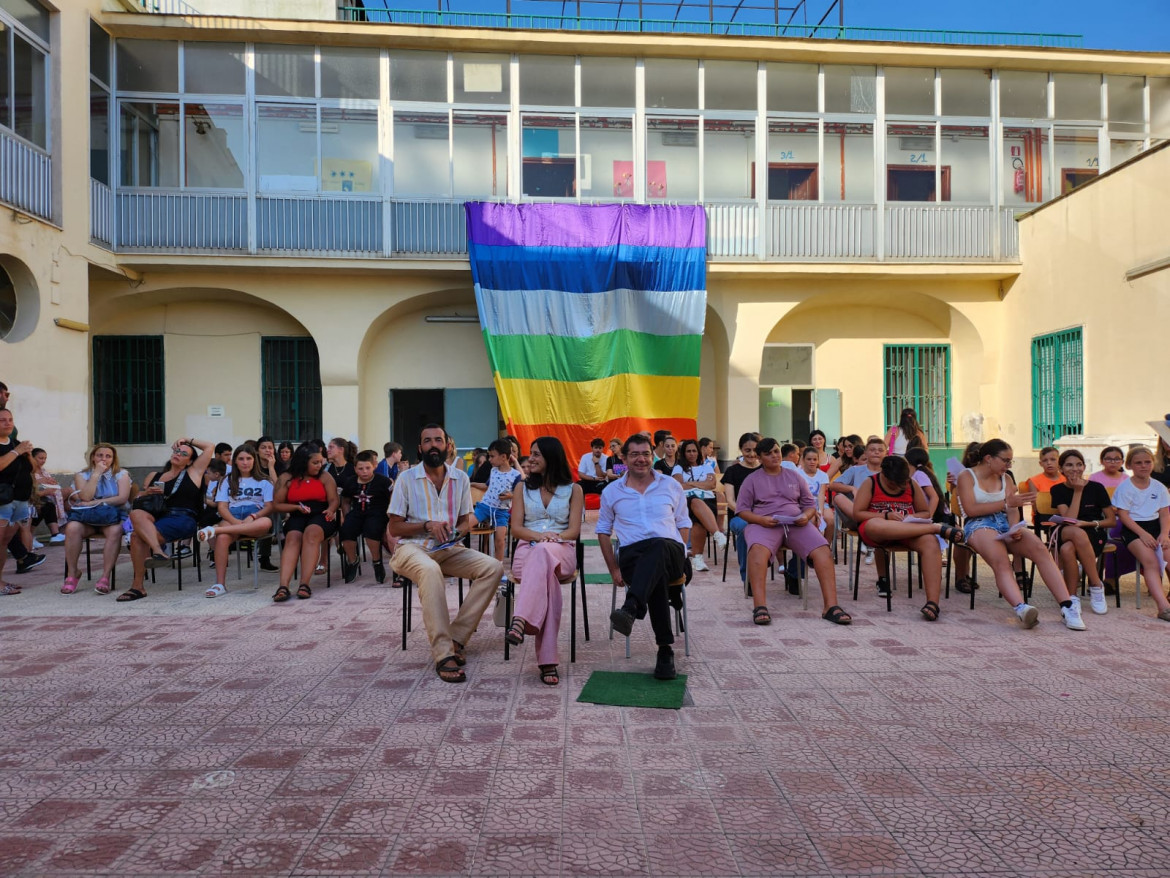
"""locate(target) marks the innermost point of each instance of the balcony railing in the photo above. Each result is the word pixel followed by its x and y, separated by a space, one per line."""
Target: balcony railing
pixel 26 177
pixel 192 223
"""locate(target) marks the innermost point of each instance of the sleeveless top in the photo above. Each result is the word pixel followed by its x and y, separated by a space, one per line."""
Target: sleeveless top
pixel 554 518
pixel 883 502
pixel 309 491
pixel 183 494
pixel 982 496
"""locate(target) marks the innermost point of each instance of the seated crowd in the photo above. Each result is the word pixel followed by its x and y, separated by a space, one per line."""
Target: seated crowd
pixel 785 504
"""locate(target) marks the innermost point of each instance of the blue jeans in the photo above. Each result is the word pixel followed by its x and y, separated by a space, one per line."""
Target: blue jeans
pixel 738 526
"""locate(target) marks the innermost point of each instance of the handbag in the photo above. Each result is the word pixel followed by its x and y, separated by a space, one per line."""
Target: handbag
pixel 101 515
pixel 154 505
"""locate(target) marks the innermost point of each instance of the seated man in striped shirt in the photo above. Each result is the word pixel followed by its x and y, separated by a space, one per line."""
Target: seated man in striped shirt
pixel 430 507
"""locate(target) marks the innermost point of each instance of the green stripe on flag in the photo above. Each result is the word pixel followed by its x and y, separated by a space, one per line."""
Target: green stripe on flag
pixel 623 352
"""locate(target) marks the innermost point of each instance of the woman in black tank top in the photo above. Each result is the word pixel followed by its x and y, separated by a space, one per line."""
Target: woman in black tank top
pixel 180 483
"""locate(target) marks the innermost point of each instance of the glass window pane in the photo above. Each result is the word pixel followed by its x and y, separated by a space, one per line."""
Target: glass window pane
pixel 5 65
pixel 418 76
pixel 422 159
pixel 149 144
pixel 286 147
pixel 792 88
pixel 607 82
pixel 910 90
pixel 481 155
pixel 99 134
pixel 30 14
pixel 729 156
pixel 99 53
pixel 548 163
pixel 607 158
pixel 1023 95
pixel 850 89
pixel 1160 107
pixel 1126 103
pixel 966 92
pixel 1078 95
pixel 349 150
pixel 215 148
pixel 793 172
pixel 910 159
pixel 966 161
pixel 729 85
pixel 1123 150
pixel 673 83
pixel 482 79
pixel 285 71
pixel 1077 157
pixel 350 73
pixel 547 80
pixel 1025 173
pixel 672 159
pixel 213 68
pixel 148 65
pixel 848 162
pixel 29 98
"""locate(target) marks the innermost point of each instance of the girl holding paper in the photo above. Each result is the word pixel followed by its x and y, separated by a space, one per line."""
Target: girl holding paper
pixel 1143 505
pixel 1087 514
pixel 991 504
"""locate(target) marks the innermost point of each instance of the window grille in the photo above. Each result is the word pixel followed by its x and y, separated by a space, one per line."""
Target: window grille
pixel 291 377
pixel 919 377
pixel 1058 386
pixel 129 390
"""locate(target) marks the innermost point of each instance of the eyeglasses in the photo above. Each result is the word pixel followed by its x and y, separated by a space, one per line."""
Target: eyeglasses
pixel 1008 460
pixel 1111 460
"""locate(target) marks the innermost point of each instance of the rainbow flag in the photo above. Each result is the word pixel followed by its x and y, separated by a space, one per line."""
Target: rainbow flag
pixel 592 315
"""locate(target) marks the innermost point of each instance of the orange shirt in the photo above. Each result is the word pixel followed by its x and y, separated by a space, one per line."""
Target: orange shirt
pixel 1041 483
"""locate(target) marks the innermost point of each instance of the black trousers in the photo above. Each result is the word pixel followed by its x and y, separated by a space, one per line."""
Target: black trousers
pixel 648 567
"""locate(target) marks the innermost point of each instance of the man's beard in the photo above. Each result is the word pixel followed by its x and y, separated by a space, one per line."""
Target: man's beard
pixel 434 458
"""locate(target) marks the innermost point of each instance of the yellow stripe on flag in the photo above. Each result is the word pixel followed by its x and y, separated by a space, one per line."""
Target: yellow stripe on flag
pixel 657 397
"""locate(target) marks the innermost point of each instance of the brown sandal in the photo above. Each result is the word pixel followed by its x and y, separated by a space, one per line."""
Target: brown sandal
pixel 304 592
pixel 282 595
pixel 449 671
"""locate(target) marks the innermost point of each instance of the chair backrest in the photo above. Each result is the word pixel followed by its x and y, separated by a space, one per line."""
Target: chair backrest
pixel 1110 491
pixel 1044 503
pixel 477 494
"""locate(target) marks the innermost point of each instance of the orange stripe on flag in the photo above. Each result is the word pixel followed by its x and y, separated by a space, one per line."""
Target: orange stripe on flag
pixel 576 437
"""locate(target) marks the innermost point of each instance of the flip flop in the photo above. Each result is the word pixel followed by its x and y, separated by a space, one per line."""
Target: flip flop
pixel 130 594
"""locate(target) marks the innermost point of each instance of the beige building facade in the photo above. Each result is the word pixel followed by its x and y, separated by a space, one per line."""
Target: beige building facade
pixel 228 226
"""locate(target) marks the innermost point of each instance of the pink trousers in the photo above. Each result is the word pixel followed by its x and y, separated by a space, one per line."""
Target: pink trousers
pixel 538 570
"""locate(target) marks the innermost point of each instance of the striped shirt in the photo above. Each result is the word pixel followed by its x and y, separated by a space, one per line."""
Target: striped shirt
pixel 416 500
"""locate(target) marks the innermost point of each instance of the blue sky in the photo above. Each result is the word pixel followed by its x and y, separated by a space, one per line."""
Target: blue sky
pixel 1138 25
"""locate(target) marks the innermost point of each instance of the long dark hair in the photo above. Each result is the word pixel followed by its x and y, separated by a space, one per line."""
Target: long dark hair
pixel 911 429
pixel 298 465
pixel 680 456
pixel 234 475
pixel 920 460
pixel 556 465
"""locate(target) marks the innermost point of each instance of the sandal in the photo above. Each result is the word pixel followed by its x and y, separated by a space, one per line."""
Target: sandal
pixel 9 589
pixel 102 586
pixel 449 671
pixel 131 594
pixel 515 634
pixel 206 533
pixel 951 534
pixel 70 585
pixel 761 616
pixel 966 585
pixel 215 591
pixel 282 595
pixel 837 616
pixel 460 653
pixel 549 675
pixel 930 611
pixel 304 592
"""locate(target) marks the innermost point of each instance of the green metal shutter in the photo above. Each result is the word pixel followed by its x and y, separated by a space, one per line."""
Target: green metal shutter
pixel 128 389
pixel 290 376
pixel 1057 386
pixel 919 377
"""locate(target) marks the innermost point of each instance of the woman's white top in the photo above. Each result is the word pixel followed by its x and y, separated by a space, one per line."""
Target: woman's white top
pixel 982 496
pixel 553 518
pixel 697 473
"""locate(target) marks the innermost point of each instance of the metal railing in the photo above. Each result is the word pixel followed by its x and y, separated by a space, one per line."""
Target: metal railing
pixel 564 21
pixel 101 214
pixel 26 177
pixel 166 7
pixel 326 225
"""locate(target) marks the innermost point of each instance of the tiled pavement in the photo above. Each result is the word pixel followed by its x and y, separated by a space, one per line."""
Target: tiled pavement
pixel 179 735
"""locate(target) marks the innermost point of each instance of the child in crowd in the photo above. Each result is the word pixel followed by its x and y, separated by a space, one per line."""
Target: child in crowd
pixel 244 502
pixel 1143 505
pixel 496 505
pixel 817 479
pixel 389 465
pixel 1090 513
pixel 790 456
pixel 1043 482
pixel 698 480
pixel 366 500
pixel 1112 472
pixel 50 507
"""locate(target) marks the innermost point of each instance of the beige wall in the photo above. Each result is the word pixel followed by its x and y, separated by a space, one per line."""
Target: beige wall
pixel 1076 252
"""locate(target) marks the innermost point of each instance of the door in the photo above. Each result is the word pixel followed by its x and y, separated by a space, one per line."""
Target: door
pixel 916 183
pixel 550 178
pixel 802 414
pixel 410 411
pixel 472 416
pixel 776 412
pixel 788 181
pixel 827 412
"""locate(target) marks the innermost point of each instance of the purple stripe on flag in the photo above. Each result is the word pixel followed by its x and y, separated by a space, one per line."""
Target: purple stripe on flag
pixel 586 225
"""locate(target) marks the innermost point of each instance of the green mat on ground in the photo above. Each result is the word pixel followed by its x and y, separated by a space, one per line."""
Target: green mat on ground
pixel 634 690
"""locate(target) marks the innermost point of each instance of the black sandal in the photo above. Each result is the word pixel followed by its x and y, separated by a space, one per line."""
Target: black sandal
pixel 837 616
pixel 930 611
pixel 966 585
pixel 304 592
pixel 951 534
pixel 549 675
pixel 449 671
pixel 515 633
pixel 130 594
pixel 761 616
pixel 282 594
pixel 460 653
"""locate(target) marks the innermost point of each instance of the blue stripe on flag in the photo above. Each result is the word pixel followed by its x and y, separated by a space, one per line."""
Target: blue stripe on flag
pixel 588 269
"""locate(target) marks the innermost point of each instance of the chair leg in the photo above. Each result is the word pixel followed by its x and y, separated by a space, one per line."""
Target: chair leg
pixel 856 569
pixel 686 625
pixel 573 621
pixel 507 616
pixel 88 569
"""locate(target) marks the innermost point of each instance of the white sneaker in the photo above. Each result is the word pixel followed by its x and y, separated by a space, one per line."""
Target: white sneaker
pixel 698 564
pixel 57 540
pixel 720 539
pixel 1072 616
pixel 1097 600
pixel 37 544
pixel 868 555
pixel 1029 615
